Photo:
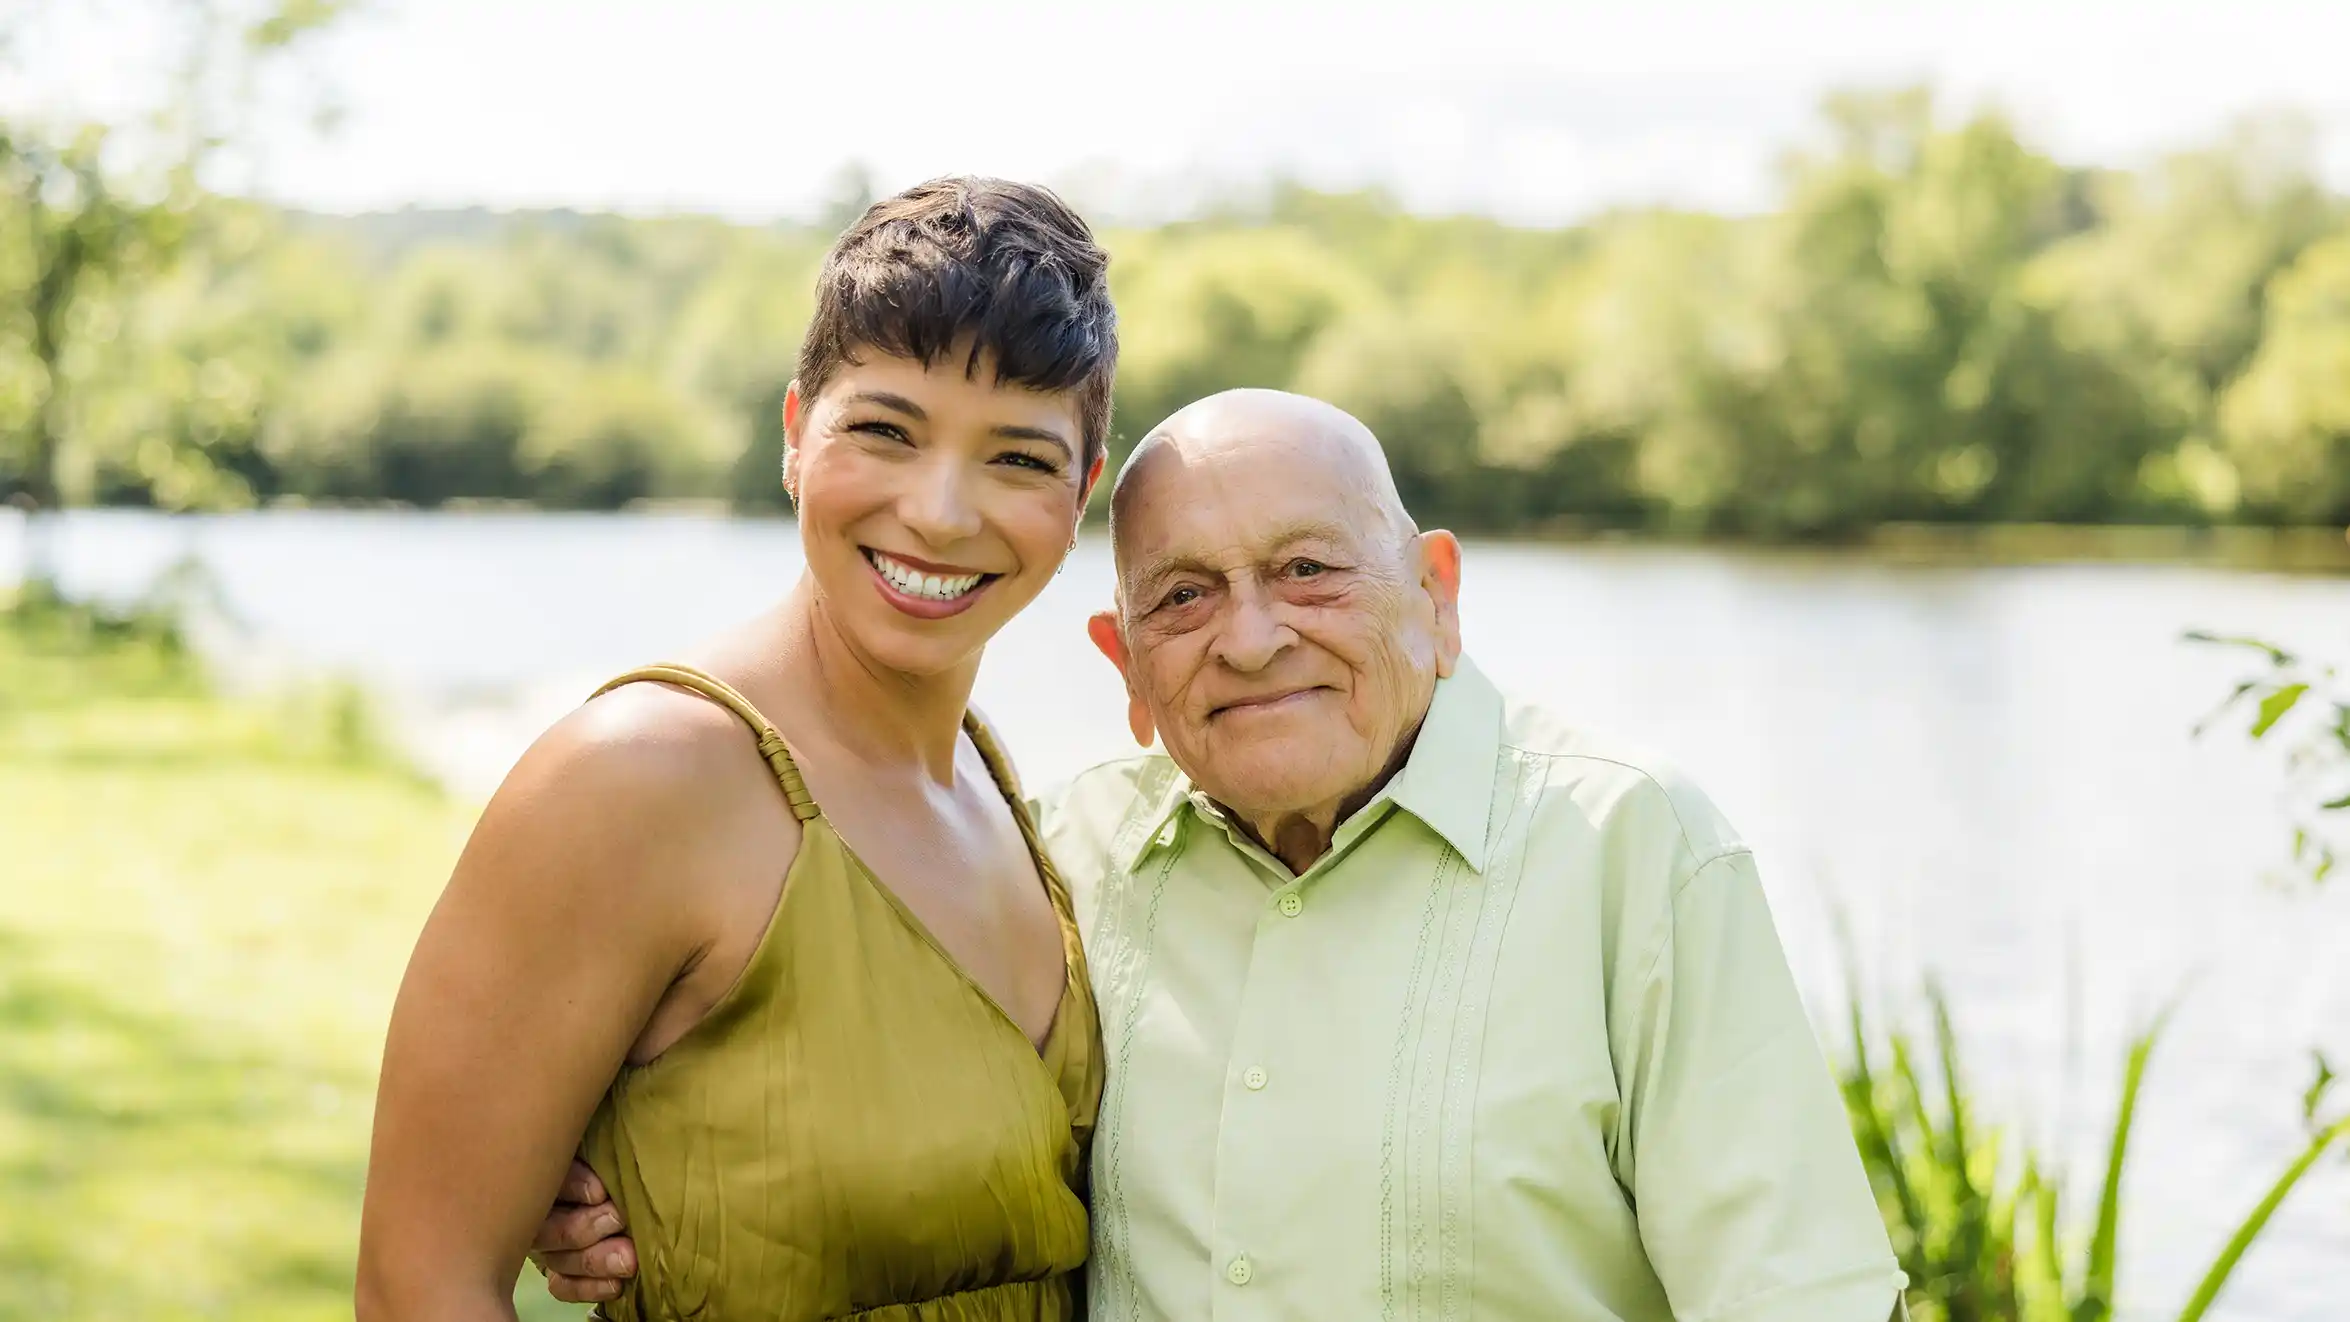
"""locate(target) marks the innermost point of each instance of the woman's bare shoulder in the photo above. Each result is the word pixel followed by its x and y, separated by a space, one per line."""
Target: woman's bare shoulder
pixel 644 786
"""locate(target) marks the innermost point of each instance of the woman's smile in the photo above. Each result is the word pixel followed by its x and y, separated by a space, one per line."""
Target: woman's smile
pixel 924 589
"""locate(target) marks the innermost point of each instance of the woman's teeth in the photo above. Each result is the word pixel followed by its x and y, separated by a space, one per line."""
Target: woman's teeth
pixel 914 583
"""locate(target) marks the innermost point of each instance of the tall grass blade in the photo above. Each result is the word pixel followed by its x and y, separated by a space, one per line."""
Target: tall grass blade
pixel 2225 1265
pixel 1971 1232
pixel 2096 1300
pixel 2047 1247
pixel 1879 1142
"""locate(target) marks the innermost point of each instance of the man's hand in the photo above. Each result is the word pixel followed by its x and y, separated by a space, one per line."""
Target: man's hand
pixel 580 1246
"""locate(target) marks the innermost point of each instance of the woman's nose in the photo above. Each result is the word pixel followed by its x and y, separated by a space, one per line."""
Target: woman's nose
pixel 939 508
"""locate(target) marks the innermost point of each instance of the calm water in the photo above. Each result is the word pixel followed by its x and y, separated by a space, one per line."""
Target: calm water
pixel 1989 771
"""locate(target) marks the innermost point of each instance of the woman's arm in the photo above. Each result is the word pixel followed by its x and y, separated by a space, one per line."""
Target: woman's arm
pixel 594 881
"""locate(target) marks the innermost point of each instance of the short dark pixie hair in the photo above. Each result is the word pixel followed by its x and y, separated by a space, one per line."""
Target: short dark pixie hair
pixel 1007 267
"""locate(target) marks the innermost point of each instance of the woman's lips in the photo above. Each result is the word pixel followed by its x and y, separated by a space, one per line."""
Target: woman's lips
pixel 921 603
pixel 918 563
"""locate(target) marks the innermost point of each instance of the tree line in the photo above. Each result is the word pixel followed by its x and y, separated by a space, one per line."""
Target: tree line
pixel 1938 322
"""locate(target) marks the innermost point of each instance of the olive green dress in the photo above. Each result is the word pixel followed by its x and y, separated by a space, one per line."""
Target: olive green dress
pixel 856 1129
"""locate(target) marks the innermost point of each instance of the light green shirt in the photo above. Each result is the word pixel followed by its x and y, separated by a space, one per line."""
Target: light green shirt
pixel 1522 1045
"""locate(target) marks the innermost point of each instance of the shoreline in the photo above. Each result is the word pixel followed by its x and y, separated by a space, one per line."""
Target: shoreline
pixel 2313 551
pixel 2310 551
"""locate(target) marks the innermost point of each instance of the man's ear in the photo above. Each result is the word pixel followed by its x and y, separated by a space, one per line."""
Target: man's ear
pixel 794 414
pixel 1440 578
pixel 1102 627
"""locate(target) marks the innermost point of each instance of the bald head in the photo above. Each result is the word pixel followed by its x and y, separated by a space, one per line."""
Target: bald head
pixel 1267 431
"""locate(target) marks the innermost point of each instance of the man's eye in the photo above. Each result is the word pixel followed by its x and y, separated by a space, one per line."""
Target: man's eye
pixel 1306 568
pixel 1183 596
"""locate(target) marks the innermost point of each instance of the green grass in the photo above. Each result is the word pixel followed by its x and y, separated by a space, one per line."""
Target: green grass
pixel 205 906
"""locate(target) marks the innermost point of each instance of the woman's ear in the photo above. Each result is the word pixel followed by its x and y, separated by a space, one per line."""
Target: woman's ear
pixel 1093 477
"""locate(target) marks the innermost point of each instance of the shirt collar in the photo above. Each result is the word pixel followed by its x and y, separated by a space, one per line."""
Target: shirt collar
pixel 1157 821
pixel 1447 782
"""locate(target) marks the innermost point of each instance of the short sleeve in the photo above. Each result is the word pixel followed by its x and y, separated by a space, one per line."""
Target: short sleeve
pixel 1752 1202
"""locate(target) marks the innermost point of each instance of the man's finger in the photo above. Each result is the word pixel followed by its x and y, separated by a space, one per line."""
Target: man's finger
pixel 582 1290
pixel 571 1228
pixel 556 1265
pixel 580 1185
pixel 612 1260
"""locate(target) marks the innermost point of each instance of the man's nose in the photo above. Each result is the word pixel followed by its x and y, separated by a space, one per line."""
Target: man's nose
pixel 1255 634
pixel 939 508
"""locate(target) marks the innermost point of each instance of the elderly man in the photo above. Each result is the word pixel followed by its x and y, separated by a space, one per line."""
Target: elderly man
pixel 1417 1004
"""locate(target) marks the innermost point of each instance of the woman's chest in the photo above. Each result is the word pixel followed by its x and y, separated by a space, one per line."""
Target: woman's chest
pixel 971 888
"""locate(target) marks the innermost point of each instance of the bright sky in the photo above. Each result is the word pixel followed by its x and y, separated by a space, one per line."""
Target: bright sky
pixel 1535 111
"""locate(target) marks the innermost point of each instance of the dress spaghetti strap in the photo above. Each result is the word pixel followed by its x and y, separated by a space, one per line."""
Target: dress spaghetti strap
pixel 771 745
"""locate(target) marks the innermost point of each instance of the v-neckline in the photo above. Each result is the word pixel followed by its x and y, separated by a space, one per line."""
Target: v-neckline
pixel 1042 1051
pixel 1053 897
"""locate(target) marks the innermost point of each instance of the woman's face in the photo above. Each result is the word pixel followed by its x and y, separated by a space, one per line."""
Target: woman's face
pixel 933 503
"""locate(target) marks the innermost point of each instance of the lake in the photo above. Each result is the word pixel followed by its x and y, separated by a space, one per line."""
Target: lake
pixel 1989 771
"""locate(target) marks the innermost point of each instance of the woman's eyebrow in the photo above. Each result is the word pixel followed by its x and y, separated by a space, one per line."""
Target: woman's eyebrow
pixel 889 401
pixel 1012 432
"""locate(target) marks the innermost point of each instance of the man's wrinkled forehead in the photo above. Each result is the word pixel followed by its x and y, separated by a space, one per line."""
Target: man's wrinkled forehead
pixel 1231 504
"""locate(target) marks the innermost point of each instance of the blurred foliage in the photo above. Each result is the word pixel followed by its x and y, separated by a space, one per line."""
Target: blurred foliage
pixel 1981 1225
pixel 107 386
pixel 1939 323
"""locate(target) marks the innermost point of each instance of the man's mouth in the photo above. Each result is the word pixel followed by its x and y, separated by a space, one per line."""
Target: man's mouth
pixel 1267 702
pixel 923 581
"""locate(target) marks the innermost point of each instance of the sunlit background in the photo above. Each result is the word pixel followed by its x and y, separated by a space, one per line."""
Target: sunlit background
pixel 1859 404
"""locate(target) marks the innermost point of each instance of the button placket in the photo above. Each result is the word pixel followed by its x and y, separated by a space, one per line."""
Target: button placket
pixel 1251 1124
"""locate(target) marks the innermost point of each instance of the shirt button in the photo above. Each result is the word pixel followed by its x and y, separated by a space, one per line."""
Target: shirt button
pixel 1290 905
pixel 1254 1078
pixel 1239 1273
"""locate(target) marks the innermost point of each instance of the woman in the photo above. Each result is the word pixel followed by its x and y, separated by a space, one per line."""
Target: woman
pixel 773 928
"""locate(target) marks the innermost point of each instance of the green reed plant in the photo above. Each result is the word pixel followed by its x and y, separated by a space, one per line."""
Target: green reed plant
pixel 1984 1229
pixel 2301 705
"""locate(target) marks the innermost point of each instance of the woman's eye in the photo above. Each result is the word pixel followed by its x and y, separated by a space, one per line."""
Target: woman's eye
pixel 1306 568
pixel 888 431
pixel 1029 461
pixel 1183 596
